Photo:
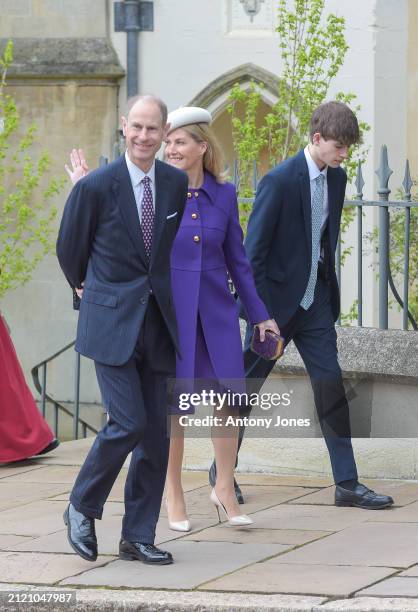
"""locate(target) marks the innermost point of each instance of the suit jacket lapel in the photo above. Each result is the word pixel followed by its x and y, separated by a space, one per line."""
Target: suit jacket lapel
pixel 122 188
pixel 162 194
pixel 333 208
pixel 305 192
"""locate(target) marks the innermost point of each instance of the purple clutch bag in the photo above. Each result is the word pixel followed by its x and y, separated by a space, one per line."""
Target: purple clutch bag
pixel 271 348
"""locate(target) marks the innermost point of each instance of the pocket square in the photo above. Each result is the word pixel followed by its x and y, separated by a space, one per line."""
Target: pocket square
pixel 171 216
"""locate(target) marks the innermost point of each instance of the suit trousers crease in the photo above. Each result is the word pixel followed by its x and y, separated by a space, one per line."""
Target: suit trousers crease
pixel 135 398
pixel 313 332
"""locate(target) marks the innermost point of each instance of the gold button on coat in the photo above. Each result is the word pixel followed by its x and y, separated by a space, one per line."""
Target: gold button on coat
pixel 189 195
pixel 196 194
pixel 194 215
pixel 196 238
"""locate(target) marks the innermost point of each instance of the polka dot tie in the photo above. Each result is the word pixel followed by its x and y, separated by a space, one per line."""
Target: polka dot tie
pixel 147 215
pixel 316 212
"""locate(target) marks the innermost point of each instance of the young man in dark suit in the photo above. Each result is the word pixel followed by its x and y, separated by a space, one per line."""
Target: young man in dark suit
pixel 291 241
pixel 116 234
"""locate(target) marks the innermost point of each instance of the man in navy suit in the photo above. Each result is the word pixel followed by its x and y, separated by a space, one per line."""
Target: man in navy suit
pixel 291 241
pixel 115 238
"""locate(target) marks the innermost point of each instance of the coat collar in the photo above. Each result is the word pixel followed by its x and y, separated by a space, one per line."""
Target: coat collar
pixel 210 186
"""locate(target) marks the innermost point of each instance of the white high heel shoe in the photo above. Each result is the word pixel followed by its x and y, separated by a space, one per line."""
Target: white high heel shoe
pixel 236 521
pixel 178 525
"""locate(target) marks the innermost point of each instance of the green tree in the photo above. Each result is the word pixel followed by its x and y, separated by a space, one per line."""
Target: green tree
pixel 27 213
pixel 313 49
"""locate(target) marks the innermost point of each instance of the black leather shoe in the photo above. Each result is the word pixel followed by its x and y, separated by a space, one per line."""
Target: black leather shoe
pixel 212 474
pixel 81 533
pixel 147 553
pixel 212 482
pixel 361 497
pixel 51 446
pixel 238 493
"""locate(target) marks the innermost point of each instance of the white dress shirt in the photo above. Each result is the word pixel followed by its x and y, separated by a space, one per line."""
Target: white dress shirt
pixel 314 172
pixel 137 175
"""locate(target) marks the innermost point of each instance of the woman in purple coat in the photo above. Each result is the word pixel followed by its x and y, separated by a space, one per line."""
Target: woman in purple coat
pixel 208 245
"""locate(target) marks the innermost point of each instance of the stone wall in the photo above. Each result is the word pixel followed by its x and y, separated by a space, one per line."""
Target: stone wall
pixel 65 78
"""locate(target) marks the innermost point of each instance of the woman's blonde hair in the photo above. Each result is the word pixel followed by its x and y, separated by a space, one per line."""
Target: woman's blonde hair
pixel 213 159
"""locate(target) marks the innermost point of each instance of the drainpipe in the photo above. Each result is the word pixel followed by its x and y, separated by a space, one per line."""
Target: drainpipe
pixel 132 17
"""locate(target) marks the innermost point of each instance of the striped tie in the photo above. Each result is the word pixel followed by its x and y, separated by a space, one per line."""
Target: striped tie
pixel 147 215
pixel 316 213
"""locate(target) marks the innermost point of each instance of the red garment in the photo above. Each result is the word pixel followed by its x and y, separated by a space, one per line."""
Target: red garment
pixel 23 430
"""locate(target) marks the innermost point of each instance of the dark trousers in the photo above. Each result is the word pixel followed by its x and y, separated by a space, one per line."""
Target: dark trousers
pixel 135 398
pixel 314 335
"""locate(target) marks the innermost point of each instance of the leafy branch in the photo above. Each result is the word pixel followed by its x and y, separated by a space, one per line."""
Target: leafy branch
pixel 27 212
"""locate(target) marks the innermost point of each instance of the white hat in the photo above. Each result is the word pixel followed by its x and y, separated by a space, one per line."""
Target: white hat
pixel 186 115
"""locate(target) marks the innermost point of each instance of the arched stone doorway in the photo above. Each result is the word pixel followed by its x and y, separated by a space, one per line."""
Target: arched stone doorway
pixel 214 97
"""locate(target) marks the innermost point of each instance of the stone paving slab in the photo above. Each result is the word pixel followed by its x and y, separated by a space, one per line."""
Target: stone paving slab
pixel 108 535
pixel 369 544
pixel 197 493
pixel 7 540
pixel 369 604
pixel 41 518
pixel 108 532
pixel 245 478
pixel 191 481
pixel 407 514
pixel 204 601
pixel 300 540
pixel 198 524
pixel 198 504
pixel 323 497
pixel 19 467
pixel 412 571
pixel 46 474
pixel 403 493
pixel 272 577
pixel 224 533
pixel 42 568
pixel 195 563
pixel 260 497
pixel 256 498
pixel 393 587
pixel 194 480
pixel 13 495
pixel 69 453
pixel 174 601
pixel 323 518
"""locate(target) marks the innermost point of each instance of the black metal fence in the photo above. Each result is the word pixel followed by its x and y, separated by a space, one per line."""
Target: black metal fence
pixel 386 279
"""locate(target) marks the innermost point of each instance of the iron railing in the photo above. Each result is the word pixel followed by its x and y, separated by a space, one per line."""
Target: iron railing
pixel 39 375
pixel 385 206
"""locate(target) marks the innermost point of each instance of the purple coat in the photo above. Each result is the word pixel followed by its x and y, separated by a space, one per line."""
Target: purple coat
pixel 209 243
